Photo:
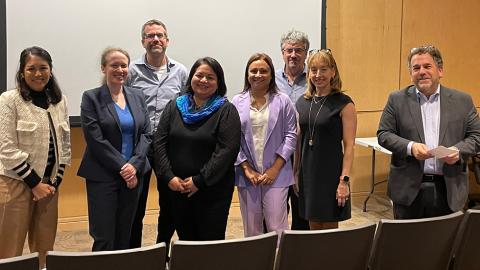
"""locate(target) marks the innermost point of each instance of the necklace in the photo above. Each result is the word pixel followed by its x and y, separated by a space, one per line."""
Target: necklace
pixel 311 130
pixel 116 95
pixel 320 99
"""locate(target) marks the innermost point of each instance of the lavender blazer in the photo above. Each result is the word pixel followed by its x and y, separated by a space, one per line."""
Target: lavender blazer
pixel 280 139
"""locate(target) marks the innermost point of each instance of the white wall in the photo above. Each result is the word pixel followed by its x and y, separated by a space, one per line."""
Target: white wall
pixel 75 33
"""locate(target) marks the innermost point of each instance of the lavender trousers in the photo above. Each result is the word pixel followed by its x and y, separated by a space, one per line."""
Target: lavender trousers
pixel 263 202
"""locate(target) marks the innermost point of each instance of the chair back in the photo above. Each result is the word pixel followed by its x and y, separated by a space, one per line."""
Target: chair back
pixel 465 251
pixel 25 262
pixel 252 253
pixel 145 258
pixel 415 243
pixel 339 249
pixel 475 167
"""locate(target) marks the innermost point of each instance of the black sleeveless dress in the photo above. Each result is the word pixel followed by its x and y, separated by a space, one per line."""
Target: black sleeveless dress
pixel 321 161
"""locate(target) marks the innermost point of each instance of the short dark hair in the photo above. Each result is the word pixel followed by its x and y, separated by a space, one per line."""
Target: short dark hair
pixel 434 53
pixel 216 67
pixel 272 86
pixel 153 22
pixel 53 91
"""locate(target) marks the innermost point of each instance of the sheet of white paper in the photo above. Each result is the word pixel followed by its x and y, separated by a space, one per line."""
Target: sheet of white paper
pixel 441 151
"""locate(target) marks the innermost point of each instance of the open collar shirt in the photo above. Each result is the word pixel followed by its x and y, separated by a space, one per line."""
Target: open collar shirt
pixel 294 90
pixel 430 108
pixel 158 90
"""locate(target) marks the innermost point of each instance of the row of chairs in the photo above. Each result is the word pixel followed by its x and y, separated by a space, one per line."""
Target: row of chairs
pixel 447 242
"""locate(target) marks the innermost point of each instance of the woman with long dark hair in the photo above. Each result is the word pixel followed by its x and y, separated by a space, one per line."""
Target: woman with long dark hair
pixel 34 150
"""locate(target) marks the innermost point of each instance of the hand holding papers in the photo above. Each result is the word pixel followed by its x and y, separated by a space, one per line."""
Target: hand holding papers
pixel 442 151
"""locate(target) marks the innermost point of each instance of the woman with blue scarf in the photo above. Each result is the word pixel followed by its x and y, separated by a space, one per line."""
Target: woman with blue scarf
pixel 196 144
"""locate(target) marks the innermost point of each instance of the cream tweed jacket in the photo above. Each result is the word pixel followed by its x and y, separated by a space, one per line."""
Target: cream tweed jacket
pixel 25 134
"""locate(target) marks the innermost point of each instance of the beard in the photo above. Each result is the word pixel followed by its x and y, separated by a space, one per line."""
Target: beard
pixel 294 63
pixel 426 86
pixel 156 49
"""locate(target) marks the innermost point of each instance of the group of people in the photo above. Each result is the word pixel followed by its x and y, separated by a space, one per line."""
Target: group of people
pixel 288 135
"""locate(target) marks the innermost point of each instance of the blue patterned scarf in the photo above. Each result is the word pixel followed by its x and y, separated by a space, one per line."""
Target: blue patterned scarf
pixel 186 105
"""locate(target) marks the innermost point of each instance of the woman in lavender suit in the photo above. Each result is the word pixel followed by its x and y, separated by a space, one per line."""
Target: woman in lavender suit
pixel 263 169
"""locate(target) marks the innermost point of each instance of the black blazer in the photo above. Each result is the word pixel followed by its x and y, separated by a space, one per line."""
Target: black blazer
pixel 102 160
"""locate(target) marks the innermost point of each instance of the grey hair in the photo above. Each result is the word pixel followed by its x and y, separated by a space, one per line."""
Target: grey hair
pixel 295 36
pixel 153 22
pixel 434 53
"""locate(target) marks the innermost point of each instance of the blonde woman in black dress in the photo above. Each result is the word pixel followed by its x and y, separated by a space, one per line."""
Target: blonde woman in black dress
pixel 328 121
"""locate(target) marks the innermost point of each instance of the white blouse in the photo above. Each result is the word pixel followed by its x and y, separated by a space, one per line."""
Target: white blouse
pixel 259 120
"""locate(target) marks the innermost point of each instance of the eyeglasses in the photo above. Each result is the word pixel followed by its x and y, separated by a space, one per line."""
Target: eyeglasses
pixel 296 50
pixel 153 35
pixel 314 51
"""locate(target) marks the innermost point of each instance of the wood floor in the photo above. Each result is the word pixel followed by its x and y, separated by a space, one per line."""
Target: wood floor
pixel 80 240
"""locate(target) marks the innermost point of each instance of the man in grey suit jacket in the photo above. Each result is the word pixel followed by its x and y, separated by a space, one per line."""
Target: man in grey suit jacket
pixel 416 120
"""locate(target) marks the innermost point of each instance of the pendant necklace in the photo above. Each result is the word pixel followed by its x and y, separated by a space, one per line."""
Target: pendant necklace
pixel 311 130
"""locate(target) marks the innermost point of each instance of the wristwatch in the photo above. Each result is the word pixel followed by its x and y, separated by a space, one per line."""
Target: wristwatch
pixel 346 178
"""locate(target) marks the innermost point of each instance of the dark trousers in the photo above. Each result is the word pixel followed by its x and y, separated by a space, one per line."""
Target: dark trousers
pixel 298 223
pixel 111 208
pixel 431 201
pixel 137 227
pixel 201 217
pixel 165 225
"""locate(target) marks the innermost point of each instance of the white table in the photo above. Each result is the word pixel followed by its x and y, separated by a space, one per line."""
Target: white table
pixel 372 142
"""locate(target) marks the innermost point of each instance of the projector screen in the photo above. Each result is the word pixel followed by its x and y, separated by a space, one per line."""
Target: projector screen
pixel 76 32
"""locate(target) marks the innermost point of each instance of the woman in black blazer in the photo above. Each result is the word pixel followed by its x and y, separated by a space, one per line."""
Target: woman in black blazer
pixel 117 132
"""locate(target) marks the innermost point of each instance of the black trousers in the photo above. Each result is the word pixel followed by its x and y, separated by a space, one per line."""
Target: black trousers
pixel 165 227
pixel 298 223
pixel 431 201
pixel 111 209
pixel 136 237
pixel 201 217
